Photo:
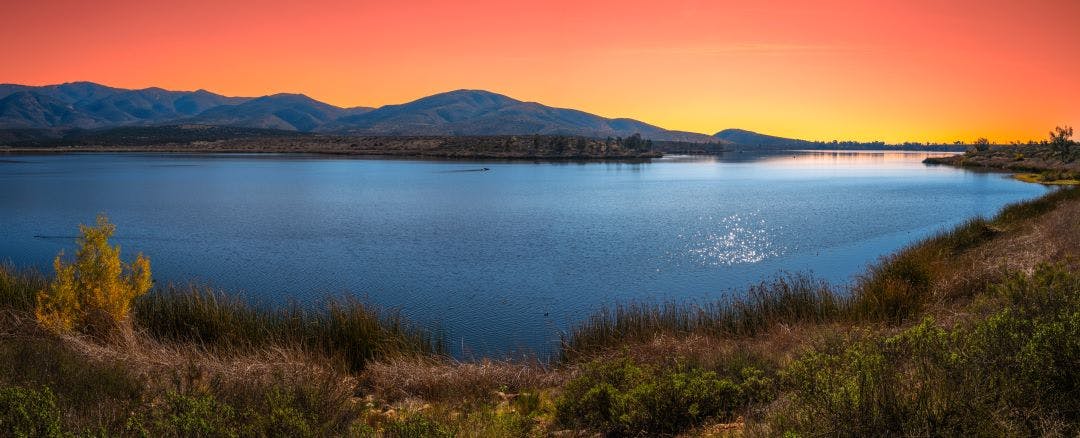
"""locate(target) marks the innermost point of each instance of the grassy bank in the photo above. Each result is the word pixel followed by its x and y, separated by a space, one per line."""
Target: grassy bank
pixel 971 332
pixel 1050 178
pixel 1051 162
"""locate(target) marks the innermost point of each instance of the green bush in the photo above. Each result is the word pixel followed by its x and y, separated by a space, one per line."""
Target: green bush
pixel 487 421
pixel 26 412
pixel 102 392
pixel 1015 371
pixel 203 414
pixel 417 426
pixel 871 387
pixel 283 416
pixel 186 415
pixel 622 398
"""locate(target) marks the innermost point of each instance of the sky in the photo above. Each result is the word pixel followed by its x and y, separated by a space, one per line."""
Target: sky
pixel 891 70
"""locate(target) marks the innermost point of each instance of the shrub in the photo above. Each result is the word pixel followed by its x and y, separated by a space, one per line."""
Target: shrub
pixel 489 421
pixel 622 398
pixel 187 415
pixel 26 412
pixel 97 288
pixel 867 387
pixel 1013 372
pixel 417 426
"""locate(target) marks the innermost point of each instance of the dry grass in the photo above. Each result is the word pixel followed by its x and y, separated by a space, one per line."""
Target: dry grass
pixel 788 300
pixel 105 383
pixel 200 368
pixel 443 380
pixel 1017 245
pixel 342 330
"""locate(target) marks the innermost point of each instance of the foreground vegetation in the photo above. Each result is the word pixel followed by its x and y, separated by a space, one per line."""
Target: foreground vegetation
pixel 975 331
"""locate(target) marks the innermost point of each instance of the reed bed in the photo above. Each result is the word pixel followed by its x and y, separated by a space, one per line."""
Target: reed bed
pixel 793 298
pixel 341 329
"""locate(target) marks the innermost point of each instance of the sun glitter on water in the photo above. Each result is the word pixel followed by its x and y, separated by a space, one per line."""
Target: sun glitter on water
pixel 731 240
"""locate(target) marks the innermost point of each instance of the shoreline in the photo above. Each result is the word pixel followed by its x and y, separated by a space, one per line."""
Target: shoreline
pixel 643 158
pixel 449 155
pixel 1041 169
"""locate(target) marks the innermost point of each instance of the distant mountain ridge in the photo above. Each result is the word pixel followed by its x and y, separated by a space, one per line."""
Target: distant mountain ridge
pixel 751 138
pixel 478 112
pixel 89 105
pixel 86 105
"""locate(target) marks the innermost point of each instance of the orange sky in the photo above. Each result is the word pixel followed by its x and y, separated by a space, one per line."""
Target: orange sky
pixel 893 70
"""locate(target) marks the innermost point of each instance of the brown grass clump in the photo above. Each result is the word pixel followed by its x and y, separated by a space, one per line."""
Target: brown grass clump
pixel 435 379
pixel 788 300
pixel 345 331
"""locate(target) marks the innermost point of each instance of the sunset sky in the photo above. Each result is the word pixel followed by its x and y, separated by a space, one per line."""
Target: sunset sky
pixel 890 70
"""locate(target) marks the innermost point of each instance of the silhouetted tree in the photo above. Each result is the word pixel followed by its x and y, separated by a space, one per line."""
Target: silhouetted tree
pixel 1061 143
pixel 979 145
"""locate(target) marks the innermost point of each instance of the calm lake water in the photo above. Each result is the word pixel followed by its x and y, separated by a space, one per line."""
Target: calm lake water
pixel 499 260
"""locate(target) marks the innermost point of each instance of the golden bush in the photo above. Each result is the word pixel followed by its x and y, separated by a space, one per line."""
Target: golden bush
pixel 96 285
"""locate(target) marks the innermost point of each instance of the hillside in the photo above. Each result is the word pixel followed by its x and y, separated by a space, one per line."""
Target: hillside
pixel 291 112
pixel 750 138
pixel 478 112
pixel 85 105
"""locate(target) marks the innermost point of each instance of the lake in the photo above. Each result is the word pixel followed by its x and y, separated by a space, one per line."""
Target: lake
pixel 500 260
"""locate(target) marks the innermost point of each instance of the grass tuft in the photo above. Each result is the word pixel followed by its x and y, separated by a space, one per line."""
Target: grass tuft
pixel 344 330
pixel 794 298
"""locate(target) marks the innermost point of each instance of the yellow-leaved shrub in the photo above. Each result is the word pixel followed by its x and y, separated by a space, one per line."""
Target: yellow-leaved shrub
pixel 96 288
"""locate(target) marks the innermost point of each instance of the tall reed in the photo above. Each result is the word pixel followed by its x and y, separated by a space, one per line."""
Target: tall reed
pixel 341 329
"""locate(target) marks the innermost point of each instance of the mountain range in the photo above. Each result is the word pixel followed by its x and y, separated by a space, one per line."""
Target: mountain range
pixel 86 105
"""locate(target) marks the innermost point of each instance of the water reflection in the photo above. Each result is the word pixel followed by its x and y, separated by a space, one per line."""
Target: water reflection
pixel 849 158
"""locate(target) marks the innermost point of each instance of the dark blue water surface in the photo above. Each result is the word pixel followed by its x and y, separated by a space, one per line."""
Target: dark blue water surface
pixel 500 260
